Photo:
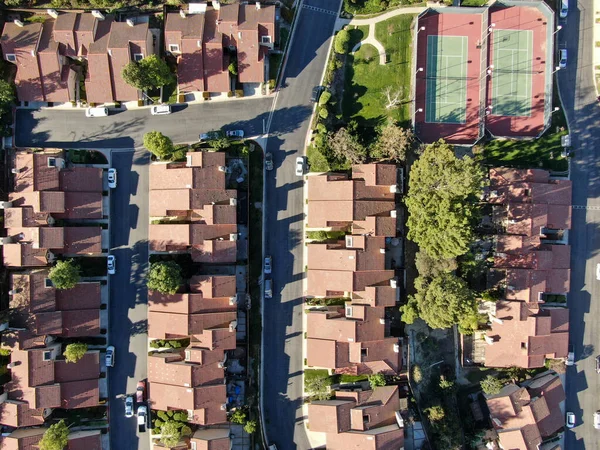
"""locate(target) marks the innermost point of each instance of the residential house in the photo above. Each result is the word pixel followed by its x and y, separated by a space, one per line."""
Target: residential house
pixel 524 417
pixel 205 39
pixel 48 56
pixel 41 382
pixel 29 439
pixel 359 420
pixel 211 439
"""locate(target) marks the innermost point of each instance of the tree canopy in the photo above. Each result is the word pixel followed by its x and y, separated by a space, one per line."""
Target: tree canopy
pixel 74 352
pixel 491 385
pixel 429 267
pixel 250 426
pixel 170 433
pixel 149 73
pixel 165 277
pixel 342 42
pixel 376 380
pixel 56 437
pixel 345 146
pixel 158 144
pixel 64 274
pixel 393 142
pixel 442 201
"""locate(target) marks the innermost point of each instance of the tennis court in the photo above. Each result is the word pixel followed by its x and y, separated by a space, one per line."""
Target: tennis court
pixel 512 72
pixel 446 90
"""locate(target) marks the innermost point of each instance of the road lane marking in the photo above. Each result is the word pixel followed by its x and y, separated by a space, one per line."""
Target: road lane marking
pixel 321 10
pixel 589 208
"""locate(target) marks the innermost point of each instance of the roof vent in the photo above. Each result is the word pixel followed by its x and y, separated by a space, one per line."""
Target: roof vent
pixel 233 237
pixel 18 23
pixel 97 14
pixel 10 365
pixel 348 311
pixel 382 321
pixel 188 355
pixel 393 213
pixel 182 13
pixel 257 5
pixel 233 201
pixel 233 300
pixel 382 251
pixel 15 171
pixel 130 22
pixel 4 205
pixel 349 241
pixel 394 188
pixel 396 348
pixel 221 364
pixel 393 283
pixel 232 325
pixel 52 13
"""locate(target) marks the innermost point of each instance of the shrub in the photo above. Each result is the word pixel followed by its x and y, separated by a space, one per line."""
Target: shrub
pixel 74 352
pixel 238 416
pixel 417 375
pixel 163 415
pixel 491 385
pixel 323 112
pixel 325 97
pixel 180 416
pixel 250 426
pixel 341 42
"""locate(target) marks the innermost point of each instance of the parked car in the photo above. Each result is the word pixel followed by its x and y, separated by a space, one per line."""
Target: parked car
pixel 268 288
pixel 564 9
pixel 159 110
pixel 112 178
pixel 598 364
pixel 209 136
pixel 570 356
pixel 96 112
pixel 129 406
pixel 570 420
pixel 300 166
pixel 597 271
pixel 562 58
pixel 109 358
pixel 111 264
pixel 316 93
pixel 269 161
pixel 142 417
pixel 239 134
pixel 267 264
pixel 140 392
pixel 597 420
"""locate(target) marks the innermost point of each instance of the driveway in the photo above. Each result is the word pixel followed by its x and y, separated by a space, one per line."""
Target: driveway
pixel 577 90
pixel 128 293
pixel 65 128
pixel 282 320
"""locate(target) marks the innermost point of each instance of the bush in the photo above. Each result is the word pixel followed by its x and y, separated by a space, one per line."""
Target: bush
pixel 250 426
pixel 65 274
pixel 417 375
pixel 239 93
pixel 341 42
pixel 74 352
pixel 163 415
pixel 5 352
pixel 165 277
pixel 318 162
pixel 158 423
pixel 180 416
pixel 238 416
pixel 323 112
pixel 491 385
pixel 324 99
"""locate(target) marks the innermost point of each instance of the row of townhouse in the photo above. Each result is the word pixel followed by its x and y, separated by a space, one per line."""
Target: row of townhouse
pixel 53 211
pixel 531 211
pixel 51 57
pixel 192 212
pixel 355 339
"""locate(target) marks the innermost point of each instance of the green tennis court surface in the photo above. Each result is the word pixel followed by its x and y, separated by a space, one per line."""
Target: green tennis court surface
pixel 446 90
pixel 511 75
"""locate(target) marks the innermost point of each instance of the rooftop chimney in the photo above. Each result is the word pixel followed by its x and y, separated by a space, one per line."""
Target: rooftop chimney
pixel 130 22
pixel 216 5
pixel 97 14
pixel 257 5
pixel 52 13
pixel 182 13
pixel 18 23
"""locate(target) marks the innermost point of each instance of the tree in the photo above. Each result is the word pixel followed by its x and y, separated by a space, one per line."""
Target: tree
pixel 218 140
pixel 491 385
pixel 233 68
pixel 342 42
pixel 445 301
pixel 250 426
pixel 429 267
pixel 323 112
pixel 56 437
pixel 74 352
pixel 158 144
pixel 345 146
pixel 7 96
pixel 442 201
pixel 64 274
pixel 447 385
pixel 238 416
pixel 393 97
pixel 394 142
pixel 417 375
pixel 165 277
pixel 435 413
pixel 149 73
pixel 170 433
pixel 376 380
pixel 317 386
pixel 410 311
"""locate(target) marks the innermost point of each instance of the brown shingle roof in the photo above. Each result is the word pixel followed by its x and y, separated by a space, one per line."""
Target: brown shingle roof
pixel 83 240
pixel 80 394
pixel 212 439
pixel 173 370
pixel 81 179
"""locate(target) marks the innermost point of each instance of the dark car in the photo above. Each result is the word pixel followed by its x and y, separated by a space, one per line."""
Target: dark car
pixel 598 364
pixel 316 93
pixel 269 161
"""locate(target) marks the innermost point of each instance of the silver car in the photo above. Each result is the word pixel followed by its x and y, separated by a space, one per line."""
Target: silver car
pixel 129 407
pixel 109 358
pixel 268 264
pixel 111 264
pixel 96 112
pixel 112 178
pixel 300 166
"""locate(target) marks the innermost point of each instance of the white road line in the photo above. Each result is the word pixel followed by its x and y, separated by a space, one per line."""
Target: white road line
pixel 321 10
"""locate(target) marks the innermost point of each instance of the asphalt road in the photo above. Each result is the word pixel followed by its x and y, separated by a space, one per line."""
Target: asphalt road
pixel 128 293
pixel 579 97
pixel 282 321
pixel 65 128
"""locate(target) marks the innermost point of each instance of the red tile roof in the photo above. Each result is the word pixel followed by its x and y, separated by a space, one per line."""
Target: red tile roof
pixel 212 439
pixel 173 370
pixel 206 402
pixel 83 240
pixel 98 81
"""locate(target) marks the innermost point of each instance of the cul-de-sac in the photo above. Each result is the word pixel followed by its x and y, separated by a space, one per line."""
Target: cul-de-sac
pixel 300 224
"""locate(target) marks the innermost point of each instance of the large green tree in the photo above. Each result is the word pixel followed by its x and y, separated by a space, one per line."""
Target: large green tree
pixel 56 437
pixel 170 433
pixel 442 201
pixel 429 267
pixel 341 43
pixel 165 277
pixel 65 274
pixel 74 352
pixel 393 142
pixel 149 73
pixel 7 96
pixel 158 144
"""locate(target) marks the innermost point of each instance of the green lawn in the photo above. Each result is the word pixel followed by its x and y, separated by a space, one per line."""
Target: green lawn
pixel 373 7
pixel 473 2
pixel 366 80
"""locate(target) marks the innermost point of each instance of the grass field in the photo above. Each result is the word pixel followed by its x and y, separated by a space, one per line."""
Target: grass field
pixel 366 80
pixel 375 7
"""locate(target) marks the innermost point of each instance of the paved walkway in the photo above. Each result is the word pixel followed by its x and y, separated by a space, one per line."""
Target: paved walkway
pixel 375 43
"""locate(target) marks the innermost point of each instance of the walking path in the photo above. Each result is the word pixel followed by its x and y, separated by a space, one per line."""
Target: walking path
pixel 375 43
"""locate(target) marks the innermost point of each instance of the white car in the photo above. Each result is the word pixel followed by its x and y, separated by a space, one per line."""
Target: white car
pixel 268 264
pixel 109 358
pixel 96 112
pixel 562 58
pixel 111 264
pixel 112 178
pixel 570 356
pixel 129 406
pixel 300 166
pixel 570 420
pixel 597 271
pixel 597 420
pixel 159 110
pixel 235 134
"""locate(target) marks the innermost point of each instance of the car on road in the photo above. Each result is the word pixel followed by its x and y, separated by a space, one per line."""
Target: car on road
pixel 268 264
pixel 597 420
pixel 272 447
pixel 112 178
pixel 140 391
pixel 562 58
pixel 564 9
pixel 570 356
pixel 111 264
pixel 597 271
pixel 570 420
pixel 210 135
pixel 142 417
pixel 159 110
pixel 235 134
pixel 129 406
pixel 300 166
pixel 109 358
pixel 96 112
pixel 316 94
pixel 268 288
pixel 598 364
pixel 269 161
